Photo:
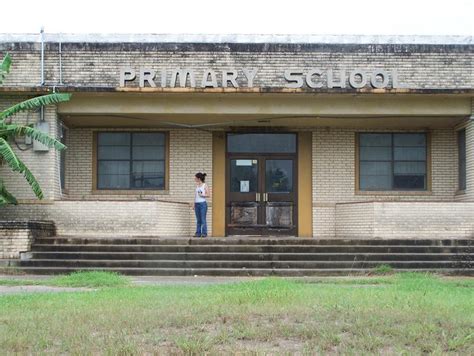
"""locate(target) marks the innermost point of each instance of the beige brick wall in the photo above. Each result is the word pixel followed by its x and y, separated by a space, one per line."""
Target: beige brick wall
pixel 84 211
pixel 98 64
pixel 413 220
pixel 109 218
pixel 334 175
pixel 468 194
pixel 12 242
pixel 354 220
pixel 470 160
pixel 18 237
pixel 190 152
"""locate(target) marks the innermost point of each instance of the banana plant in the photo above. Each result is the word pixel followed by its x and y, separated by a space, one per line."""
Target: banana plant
pixel 9 131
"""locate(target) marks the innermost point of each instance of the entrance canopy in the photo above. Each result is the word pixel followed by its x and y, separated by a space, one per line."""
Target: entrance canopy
pixel 219 110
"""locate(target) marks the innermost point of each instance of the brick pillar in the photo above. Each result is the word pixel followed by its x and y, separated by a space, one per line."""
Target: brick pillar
pixel 470 156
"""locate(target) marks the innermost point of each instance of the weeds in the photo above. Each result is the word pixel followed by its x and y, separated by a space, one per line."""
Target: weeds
pixel 412 313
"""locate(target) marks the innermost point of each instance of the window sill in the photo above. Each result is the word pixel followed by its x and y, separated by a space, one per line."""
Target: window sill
pixel 129 192
pixel 460 192
pixel 393 192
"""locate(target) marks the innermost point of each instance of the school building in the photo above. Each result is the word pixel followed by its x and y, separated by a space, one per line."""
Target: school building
pixel 308 136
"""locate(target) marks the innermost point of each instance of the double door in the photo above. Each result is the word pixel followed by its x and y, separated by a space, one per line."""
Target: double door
pixel 261 195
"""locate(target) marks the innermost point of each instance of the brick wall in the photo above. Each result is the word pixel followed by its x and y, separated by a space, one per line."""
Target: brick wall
pixel 354 220
pixel 109 218
pixel 98 64
pixel 470 160
pixel 468 194
pixel 334 175
pixel 17 237
pixel 190 152
pixel 405 220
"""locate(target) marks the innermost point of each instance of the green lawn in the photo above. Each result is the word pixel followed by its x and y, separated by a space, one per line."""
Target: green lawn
pixel 399 314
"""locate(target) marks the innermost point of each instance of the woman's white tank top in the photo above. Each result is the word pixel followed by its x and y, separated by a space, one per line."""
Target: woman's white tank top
pixel 197 198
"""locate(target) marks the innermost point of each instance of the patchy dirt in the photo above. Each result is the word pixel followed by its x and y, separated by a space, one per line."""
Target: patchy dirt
pixel 4 290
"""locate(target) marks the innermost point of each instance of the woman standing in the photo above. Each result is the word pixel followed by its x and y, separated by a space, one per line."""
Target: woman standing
pixel 200 204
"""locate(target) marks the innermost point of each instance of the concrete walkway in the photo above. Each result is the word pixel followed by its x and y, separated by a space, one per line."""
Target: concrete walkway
pixel 141 280
pixel 160 280
pixel 5 290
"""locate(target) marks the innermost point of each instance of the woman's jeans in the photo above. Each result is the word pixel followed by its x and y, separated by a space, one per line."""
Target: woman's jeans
pixel 200 209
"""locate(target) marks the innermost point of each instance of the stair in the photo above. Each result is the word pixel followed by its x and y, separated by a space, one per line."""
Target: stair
pixel 244 256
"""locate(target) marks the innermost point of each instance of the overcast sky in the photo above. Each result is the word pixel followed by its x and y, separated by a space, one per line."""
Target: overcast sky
pixel 371 17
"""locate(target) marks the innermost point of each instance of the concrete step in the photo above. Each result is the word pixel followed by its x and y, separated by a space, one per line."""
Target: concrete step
pixel 247 256
pixel 244 255
pixel 240 271
pixel 123 240
pixel 253 248
pixel 241 264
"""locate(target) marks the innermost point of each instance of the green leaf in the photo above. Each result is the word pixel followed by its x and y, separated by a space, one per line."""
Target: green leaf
pixel 5 67
pixel 34 103
pixel 5 196
pixel 45 139
pixel 30 178
pixel 7 153
pixel 6 62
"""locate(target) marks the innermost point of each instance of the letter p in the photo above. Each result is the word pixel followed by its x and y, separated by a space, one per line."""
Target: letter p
pixel 126 75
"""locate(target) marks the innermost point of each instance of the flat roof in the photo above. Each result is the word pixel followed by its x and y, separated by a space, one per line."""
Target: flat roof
pixel 235 38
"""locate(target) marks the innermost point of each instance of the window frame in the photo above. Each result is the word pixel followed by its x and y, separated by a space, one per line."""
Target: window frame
pixel 133 191
pixel 428 188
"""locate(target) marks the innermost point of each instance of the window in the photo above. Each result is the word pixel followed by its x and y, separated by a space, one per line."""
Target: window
pixel 462 159
pixel 261 143
pixel 131 160
pixel 392 161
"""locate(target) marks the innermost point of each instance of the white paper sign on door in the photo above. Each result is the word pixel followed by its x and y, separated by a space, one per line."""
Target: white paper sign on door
pixel 244 186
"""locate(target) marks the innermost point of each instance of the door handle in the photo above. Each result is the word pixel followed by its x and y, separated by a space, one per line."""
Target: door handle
pixel 257 196
pixel 265 196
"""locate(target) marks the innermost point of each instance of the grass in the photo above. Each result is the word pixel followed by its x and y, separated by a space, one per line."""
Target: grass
pixel 383 269
pixel 90 279
pixel 407 313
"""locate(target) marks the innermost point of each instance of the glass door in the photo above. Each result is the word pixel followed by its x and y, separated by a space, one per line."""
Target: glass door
pixel 244 210
pixel 261 195
pixel 279 195
pixel 261 183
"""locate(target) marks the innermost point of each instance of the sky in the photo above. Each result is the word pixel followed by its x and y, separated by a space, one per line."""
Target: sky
pixel 357 17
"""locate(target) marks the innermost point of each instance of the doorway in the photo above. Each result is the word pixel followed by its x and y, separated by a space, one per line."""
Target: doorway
pixel 261 184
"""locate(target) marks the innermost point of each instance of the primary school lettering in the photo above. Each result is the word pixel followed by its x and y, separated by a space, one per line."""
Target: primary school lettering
pixel 296 78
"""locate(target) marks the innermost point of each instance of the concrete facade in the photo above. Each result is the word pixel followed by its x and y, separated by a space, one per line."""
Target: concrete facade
pixel 435 98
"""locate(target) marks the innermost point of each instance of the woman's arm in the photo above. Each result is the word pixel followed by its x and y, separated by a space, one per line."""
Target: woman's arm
pixel 206 192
